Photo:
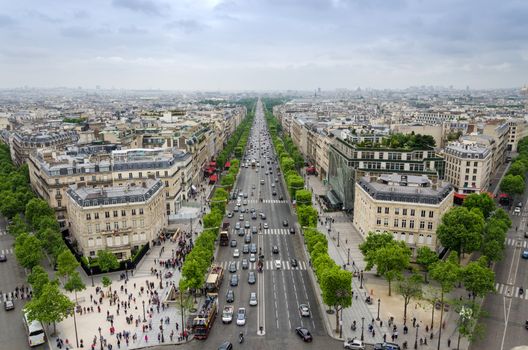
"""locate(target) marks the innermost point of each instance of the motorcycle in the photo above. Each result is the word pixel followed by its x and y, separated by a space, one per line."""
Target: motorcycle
pixel 241 338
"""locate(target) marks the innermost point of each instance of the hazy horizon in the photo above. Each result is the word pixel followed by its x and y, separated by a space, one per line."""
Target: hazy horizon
pixel 266 45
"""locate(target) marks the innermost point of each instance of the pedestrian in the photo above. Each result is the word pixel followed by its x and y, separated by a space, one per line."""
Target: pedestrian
pixel 449 343
pixel 384 337
pixel 146 338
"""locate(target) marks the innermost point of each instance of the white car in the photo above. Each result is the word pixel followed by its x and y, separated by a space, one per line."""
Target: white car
pixel 304 310
pixel 252 258
pixel 517 211
pixel 265 225
pixel 236 253
pixel 253 299
pixel 241 316
pixel 354 344
pixel 278 264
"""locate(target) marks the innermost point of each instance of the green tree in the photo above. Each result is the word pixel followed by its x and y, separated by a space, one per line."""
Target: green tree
pixel 37 209
pixel 287 164
pixel 66 263
pixel 228 180
pixel 75 284
pixel 28 250
pixel 409 287
pixel 239 151
pixel 390 261
pixel 307 216
pixel 107 260
pixel 502 215
pixel 374 241
pixel 478 278
pixel 294 183
pixel 483 201
pixel 447 273
pixel 38 278
pixel 461 230
pixel 336 287
pixel 512 184
pixel 18 226
pixel 426 257
pixel 468 326
pixel 218 203
pixel 51 307
pixel 213 219
pixel 107 282
pixel 193 275
pixel 303 197
pixel 10 205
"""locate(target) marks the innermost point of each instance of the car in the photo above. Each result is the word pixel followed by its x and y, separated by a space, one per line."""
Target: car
pixel 230 296
pixel 245 264
pixel 262 216
pixel 278 264
pixel 304 310
pixel 232 267
pixel 525 254
pixel 276 180
pixel 252 278
pixel 241 217
pixel 272 185
pixel 386 346
pixel 253 186
pixel 253 299
pixel 245 249
pixel 229 214
pixel 262 182
pixel 266 173
pixel 241 232
pixel 517 210
pixel 254 230
pixel 292 230
pixel 233 243
pixel 252 258
pixel 520 204
pixel 265 225
pixel 236 253
pixel 247 225
pixel 285 223
pixel 304 333
pixel 253 216
pixel 245 195
pixel 253 248
pixel 354 344
pixel 235 209
pixel 9 305
pixel 3 258
pixel 247 238
pixel 241 316
pixel 243 210
pixel 253 210
pixel 245 202
pixel 233 282
pixel 237 226
pixel 293 262
pixel 274 193
pixel 525 234
pixel 225 346
pixel 281 198
pixel 275 249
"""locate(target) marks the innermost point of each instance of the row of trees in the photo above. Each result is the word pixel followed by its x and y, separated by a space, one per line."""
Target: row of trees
pixel 335 283
pixel 514 181
pixel 477 225
pixel 392 258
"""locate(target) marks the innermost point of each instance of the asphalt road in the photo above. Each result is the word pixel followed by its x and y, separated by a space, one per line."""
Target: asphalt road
pixel 12 331
pixel 279 291
pixel 507 309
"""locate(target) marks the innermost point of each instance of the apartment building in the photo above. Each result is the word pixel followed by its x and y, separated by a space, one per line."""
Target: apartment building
pixel 518 130
pixel 408 206
pixel 23 143
pixel 349 161
pixel 468 167
pixel 120 219
pixel 499 131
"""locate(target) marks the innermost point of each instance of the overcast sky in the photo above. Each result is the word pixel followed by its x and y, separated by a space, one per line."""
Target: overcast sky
pixel 263 44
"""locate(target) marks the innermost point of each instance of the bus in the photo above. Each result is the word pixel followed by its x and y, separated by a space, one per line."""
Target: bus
pixel 35 331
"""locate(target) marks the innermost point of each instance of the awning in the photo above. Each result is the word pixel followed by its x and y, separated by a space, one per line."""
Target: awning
pixel 212 164
pixel 227 165
pixel 460 195
pixel 503 195
pixel 213 178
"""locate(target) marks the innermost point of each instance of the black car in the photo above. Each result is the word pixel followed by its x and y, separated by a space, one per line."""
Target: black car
pixel 3 258
pixel 285 223
pixel 230 296
pixel 225 346
pixel 233 243
pixel 281 198
pixel 274 193
pixel 232 267
pixel 234 281
pixel 304 334
pixel 292 230
pixel 275 249
pixel 294 262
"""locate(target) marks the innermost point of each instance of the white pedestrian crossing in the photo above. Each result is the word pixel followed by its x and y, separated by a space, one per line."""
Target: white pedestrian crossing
pixel 6 251
pixel 268 265
pixel 513 291
pixel 3 233
pixel 275 231
pixel 512 242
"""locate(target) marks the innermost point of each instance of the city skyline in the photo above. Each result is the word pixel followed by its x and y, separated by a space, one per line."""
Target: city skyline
pixel 264 45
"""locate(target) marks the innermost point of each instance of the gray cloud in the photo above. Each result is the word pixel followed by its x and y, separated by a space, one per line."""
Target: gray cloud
pixel 147 7
pixel 186 25
pixel 6 21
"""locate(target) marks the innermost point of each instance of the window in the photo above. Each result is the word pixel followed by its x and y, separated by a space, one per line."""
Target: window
pixel 395 222
pixel 468 163
pixel 119 176
pixel 422 225
pixel 140 211
pixel 107 214
pixel 81 178
pixel 116 225
pixel 140 175
pixel 404 223
pixel 431 213
pixel 157 173
pixel 141 222
pixel 89 228
pixel 411 223
pixel 123 212
pixel 96 215
pixel 474 178
pixel 129 175
pixel 379 210
pixel 166 183
pixel 124 224
pixel 474 171
pixel 412 212
pixel 97 228
pixel 115 213
pixel 467 178
pixel 108 228
pixel 404 211
pixel 467 170
pixel 94 178
pixel 429 225
pixel 397 211
pixel 166 173
pixel 386 210
pixel 56 181
pixel 475 164
pixel 378 221
pixel 133 211
pixel 134 223
pixel 88 216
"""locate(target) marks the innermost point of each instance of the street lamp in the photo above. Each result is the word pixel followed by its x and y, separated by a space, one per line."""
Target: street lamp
pixel 362 327
pixel 144 318
pixel 361 279
pixel 126 269
pixel 379 302
pixel 416 339
pixel 348 257
pixel 338 238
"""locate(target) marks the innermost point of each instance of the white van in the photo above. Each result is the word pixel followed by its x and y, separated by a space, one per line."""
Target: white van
pixel 35 331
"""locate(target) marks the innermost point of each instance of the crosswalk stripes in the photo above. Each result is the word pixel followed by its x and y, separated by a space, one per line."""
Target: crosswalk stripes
pixel 275 231
pixel 268 265
pixel 504 289
pixel 513 243
pixel 6 251
pixel 3 233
